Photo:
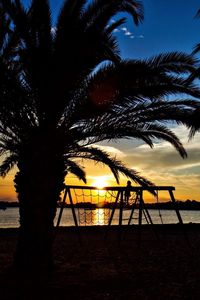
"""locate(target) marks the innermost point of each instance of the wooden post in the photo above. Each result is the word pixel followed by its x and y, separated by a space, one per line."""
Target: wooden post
pixel 74 217
pixel 149 219
pixel 140 217
pixel 72 207
pixel 121 209
pixel 146 212
pixel 112 214
pixel 132 210
pixel 114 207
pixel 175 207
pixel 121 215
pixel 62 207
pixel 145 216
pixel 179 218
pixel 140 208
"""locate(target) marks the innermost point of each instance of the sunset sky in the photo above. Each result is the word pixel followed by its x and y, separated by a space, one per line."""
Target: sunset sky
pixel 168 26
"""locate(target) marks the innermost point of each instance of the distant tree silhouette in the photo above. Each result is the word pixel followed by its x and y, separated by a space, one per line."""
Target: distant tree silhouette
pixel 65 88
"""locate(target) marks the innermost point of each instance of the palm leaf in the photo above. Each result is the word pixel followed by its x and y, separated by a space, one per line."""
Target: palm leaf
pixel 110 28
pixel 8 164
pixel 103 10
pixel 40 22
pixel 177 62
pixel 115 165
pixel 195 123
pixel 197 14
pixel 75 169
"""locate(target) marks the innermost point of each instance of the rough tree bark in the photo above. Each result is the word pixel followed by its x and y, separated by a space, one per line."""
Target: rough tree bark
pixel 38 183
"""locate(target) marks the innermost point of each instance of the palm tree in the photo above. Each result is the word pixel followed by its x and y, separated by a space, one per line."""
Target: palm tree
pixel 195 75
pixel 66 88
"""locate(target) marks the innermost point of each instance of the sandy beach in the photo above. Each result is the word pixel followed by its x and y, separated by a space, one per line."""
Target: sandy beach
pixel 117 268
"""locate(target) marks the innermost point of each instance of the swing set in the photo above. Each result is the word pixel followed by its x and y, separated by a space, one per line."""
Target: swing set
pixel 111 206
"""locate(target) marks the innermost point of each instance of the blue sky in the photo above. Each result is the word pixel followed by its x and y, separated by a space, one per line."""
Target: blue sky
pixel 168 26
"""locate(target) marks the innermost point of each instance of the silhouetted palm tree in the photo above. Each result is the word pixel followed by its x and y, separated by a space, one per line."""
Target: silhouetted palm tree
pixel 195 75
pixel 65 88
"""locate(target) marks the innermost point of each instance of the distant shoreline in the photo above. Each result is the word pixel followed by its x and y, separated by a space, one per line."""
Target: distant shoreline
pixel 181 205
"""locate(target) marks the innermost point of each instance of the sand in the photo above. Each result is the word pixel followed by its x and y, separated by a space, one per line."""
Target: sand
pixel 118 268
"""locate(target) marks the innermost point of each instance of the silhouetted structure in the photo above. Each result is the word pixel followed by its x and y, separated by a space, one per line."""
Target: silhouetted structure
pixel 118 197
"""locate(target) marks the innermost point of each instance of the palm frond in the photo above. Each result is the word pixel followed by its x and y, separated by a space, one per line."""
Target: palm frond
pixel 40 23
pixel 75 169
pixel 196 49
pixel 99 155
pixel 195 127
pixel 19 17
pixel 162 132
pixel 69 16
pixel 112 27
pixel 144 131
pixel 103 10
pixel 197 14
pixel 8 164
pixel 115 165
pixel 177 62
pixel 179 111
pixel 131 79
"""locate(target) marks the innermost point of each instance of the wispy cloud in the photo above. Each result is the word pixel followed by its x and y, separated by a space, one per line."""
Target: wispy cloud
pixel 111 150
pixel 126 32
pixel 124 29
pixel 163 155
pixel 116 30
pixel 53 30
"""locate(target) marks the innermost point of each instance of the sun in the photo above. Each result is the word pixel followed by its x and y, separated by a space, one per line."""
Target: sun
pixel 100 182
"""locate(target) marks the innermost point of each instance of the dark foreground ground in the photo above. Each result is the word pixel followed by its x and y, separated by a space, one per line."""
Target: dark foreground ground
pixel 156 269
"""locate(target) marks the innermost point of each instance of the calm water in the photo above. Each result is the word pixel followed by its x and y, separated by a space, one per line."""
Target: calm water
pixel 10 217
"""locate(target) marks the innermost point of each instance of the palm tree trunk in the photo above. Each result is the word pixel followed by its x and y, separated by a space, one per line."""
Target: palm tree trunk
pixel 38 185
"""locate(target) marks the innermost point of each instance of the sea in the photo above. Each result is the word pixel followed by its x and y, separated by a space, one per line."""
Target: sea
pixel 9 218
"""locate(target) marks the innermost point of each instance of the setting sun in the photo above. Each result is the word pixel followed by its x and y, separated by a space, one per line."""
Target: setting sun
pixel 100 182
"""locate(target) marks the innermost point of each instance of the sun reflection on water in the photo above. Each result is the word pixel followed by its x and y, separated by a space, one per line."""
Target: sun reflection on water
pixel 100 216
